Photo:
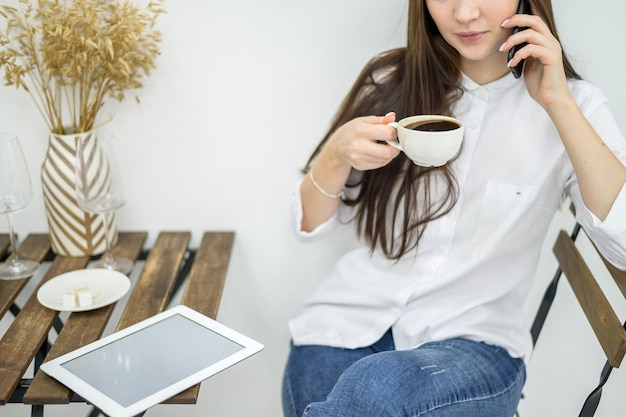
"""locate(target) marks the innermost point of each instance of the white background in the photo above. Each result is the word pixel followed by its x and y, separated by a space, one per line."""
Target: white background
pixel 243 92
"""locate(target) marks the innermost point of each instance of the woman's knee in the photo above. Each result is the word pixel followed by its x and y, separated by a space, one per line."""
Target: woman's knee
pixel 374 385
pixel 311 373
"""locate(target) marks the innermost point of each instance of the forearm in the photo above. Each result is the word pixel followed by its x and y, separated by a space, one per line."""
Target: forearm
pixel 354 144
pixel 331 177
pixel 601 175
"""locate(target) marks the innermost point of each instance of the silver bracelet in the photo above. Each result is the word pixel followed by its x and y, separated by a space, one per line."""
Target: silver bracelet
pixel 321 190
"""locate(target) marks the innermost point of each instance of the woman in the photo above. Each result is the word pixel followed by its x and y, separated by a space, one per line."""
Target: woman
pixel 426 319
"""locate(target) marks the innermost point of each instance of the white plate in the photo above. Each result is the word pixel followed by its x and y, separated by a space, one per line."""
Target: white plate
pixel 105 286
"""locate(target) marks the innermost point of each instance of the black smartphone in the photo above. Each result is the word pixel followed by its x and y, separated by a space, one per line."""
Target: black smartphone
pixel 523 8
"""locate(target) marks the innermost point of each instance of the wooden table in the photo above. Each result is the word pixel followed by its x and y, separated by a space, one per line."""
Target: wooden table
pixel 168 265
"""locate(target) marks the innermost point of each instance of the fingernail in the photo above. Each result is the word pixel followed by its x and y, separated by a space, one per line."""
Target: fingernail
pixel 503 24
pixel 508 64
pixel 390 113
pixel 502 47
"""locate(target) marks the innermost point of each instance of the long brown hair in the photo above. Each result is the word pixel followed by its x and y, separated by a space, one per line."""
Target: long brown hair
pixel 395 203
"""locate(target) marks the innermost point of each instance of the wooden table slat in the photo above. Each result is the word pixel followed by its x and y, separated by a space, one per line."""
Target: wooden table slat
pixel 4 244
pixel 129 245
pixel 208 273
pixel 79 330
pixel 29 330
pixel 156 282
pixel 34 247
pixel 204 287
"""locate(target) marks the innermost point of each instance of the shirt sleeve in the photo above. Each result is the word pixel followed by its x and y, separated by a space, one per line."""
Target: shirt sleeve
pixel 609 235
pixel 297 215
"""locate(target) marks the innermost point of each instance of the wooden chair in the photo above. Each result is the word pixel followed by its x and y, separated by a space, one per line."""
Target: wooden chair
pixel 608 329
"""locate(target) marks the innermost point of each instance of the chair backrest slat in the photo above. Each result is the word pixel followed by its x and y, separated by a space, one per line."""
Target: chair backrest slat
pixel 604 322
pixel 618 275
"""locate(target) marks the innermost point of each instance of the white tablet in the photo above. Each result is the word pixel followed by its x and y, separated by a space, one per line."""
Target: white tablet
pixel 147 363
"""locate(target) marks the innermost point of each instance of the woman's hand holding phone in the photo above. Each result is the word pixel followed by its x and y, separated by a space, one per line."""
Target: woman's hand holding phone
pixel 543 70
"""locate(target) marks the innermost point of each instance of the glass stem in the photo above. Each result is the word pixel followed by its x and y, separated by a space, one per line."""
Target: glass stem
pixel 108 257
pixel 15 259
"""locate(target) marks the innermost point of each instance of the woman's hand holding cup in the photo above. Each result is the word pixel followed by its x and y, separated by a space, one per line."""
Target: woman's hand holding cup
pixel 357 143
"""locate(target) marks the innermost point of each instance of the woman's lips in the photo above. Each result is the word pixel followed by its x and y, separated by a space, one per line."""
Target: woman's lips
pixel 470 37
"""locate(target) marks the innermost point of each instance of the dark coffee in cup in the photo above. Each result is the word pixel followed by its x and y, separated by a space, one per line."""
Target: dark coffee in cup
pixel 428 140
pixel 433 126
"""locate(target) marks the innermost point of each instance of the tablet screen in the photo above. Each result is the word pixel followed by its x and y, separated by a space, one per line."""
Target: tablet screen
pixel 142 363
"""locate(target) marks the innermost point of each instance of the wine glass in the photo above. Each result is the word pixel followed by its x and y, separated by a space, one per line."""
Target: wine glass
pixel 100 189
pixel 15 194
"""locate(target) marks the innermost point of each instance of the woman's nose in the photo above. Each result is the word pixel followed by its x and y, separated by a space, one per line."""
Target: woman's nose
pixel 466 11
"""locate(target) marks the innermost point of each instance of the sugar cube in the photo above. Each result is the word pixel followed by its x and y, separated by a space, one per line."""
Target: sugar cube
pixel 84 298
pixel 69 300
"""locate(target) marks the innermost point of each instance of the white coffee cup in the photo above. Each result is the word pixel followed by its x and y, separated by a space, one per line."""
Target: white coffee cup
pixel 428 140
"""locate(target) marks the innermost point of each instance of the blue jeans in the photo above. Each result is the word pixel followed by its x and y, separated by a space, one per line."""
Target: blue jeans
pixel 451 378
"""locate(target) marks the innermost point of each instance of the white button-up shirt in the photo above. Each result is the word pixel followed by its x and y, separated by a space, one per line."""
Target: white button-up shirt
pixel 473 269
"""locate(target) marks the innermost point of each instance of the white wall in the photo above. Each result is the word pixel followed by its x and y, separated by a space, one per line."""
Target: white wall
pixel 243 91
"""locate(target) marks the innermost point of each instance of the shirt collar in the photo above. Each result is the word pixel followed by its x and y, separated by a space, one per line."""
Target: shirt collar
pixel 500 84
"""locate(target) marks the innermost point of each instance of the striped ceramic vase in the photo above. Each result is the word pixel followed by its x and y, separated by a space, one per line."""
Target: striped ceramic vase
pixel 73 231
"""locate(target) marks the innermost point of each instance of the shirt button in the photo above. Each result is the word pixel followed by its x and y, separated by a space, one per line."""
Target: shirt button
pixel 395 311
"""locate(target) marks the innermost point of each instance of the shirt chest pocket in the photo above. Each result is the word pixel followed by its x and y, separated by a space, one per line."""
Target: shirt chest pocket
pixel 508 215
